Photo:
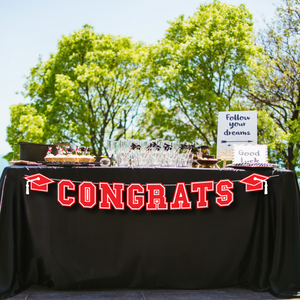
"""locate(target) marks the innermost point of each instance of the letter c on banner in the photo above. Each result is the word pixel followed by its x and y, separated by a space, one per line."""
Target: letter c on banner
pixel 61 192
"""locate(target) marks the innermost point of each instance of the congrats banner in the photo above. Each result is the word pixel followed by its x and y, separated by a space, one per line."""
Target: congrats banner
pixel 112 195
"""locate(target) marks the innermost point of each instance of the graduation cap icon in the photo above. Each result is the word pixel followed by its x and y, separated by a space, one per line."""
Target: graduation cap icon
pixel 38 182
pixel 255 182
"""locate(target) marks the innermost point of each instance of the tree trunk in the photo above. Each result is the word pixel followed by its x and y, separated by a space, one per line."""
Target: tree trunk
pixel 289 163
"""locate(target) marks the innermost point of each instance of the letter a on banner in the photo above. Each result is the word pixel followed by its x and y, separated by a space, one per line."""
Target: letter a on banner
pixel 181 198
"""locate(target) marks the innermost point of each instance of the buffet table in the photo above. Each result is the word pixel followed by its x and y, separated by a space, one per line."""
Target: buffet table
pixel 92 228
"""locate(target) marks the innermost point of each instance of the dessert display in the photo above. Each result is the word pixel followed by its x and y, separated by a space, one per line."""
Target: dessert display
pixel 205 160
pixel 85 156
pixel 69 156
pixel 144 153
pixel 136 153
pixel 208 162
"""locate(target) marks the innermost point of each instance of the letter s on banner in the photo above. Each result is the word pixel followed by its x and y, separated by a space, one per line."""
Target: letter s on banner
pixel 61 192
pixel 135 202
pixel 222 189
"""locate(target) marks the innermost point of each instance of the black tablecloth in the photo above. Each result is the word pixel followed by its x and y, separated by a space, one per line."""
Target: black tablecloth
pixel 252 243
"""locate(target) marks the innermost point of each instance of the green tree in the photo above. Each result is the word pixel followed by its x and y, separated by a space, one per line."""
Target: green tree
pixel 87 87
pixel 26 125
pixel 197 70
pixel 277 89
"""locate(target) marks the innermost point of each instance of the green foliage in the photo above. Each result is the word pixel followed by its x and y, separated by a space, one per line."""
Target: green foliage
pixel 26 125
pixel 197 70
pixel 85 88
pixel 270 134
pixel 276 87
pixel 205 64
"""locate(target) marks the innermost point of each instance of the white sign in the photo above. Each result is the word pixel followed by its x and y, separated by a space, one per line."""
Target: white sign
pixel 250 154
pixel 235 128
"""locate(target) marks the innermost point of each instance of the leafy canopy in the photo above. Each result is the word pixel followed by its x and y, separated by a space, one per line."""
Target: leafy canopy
pixel 276 85
pixel 196 71
pixel 86 88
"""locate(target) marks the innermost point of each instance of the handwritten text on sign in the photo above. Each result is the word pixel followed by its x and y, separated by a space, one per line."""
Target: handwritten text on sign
pixel 235 128
pixel 250 154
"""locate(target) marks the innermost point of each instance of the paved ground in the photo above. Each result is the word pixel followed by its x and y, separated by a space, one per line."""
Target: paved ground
pixel 37 292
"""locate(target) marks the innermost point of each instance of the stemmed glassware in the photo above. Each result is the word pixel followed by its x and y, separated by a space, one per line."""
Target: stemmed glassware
pixel 146 153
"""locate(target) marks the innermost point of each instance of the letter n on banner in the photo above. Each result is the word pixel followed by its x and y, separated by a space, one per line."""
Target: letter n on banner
pixel 112 196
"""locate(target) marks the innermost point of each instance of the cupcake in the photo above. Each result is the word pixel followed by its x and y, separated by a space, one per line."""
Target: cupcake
pixel 83 158
pixel 49 156
pixel 70 158
pixel 59 157
pixel 76 156
pixel 89 156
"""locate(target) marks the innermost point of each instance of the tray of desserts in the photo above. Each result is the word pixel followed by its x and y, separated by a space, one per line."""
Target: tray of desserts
pixel 66 164
pixel 69 157
pixel 24 163
pixel 207 160
pixel 253 165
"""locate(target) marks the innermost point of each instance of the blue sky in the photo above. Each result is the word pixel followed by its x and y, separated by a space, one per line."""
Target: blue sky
pixel 31 28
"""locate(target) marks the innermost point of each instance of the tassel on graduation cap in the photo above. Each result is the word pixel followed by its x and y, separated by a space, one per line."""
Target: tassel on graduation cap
pixel 27 187
pixel 266 188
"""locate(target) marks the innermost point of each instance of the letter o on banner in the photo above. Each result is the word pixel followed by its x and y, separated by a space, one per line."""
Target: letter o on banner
pixel 61 192
pixel 87 194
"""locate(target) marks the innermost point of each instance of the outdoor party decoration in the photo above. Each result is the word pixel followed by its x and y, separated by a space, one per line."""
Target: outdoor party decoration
pixel 112 194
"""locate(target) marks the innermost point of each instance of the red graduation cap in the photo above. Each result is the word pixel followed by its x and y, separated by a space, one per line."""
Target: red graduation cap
pixel 38 182
pixel 254 182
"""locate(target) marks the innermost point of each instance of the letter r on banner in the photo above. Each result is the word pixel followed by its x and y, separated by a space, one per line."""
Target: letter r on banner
pixel 156 197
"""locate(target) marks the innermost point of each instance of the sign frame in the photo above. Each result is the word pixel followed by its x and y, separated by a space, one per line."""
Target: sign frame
pixel 235 128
